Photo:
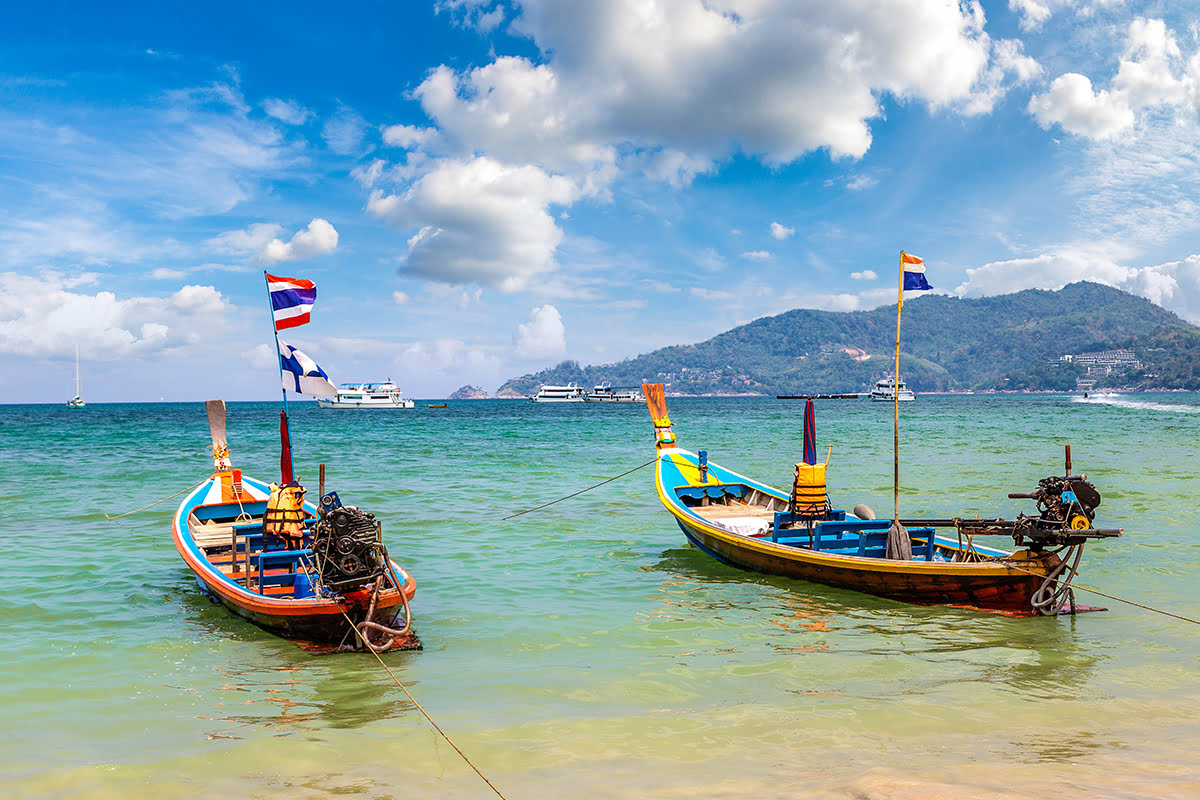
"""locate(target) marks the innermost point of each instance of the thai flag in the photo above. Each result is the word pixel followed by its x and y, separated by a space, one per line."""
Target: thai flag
pixel 291 300
pixel 914 272
pixel 301 374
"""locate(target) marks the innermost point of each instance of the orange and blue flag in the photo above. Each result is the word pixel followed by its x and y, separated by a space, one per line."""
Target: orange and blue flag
pixel 914 272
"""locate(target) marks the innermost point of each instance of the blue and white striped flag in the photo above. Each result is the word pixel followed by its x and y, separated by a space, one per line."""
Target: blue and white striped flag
pixel 301 374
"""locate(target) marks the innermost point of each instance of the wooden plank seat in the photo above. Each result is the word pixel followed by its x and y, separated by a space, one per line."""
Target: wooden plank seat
pixel 723 511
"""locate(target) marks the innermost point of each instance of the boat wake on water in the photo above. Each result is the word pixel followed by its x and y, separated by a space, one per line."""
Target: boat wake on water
pixel 1114 399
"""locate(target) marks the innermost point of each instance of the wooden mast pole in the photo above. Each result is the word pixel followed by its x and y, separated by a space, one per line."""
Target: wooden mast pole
pixel 896 399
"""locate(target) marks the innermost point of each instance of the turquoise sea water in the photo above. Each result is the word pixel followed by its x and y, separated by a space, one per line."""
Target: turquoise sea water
pixel 585 650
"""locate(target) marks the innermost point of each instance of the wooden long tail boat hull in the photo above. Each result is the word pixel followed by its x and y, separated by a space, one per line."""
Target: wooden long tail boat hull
pixel 1004 585
pixel 753 526
pixel 986 586
pixel 202 532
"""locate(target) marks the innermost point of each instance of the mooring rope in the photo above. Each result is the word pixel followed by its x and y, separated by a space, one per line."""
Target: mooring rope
pixel 1110 597
pixel 581 491
pixel 425 713
pixel 156 502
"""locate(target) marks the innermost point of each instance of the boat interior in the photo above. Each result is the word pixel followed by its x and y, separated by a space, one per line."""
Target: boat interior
pixel 231 537
pixel 748 511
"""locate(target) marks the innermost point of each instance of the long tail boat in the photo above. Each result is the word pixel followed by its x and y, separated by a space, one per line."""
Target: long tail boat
pixel 318 574
pixel 797 534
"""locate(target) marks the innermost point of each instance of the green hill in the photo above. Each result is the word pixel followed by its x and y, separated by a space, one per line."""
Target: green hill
pixel 947 343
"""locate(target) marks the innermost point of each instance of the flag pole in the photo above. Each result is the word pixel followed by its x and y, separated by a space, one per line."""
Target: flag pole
pixel 279 359
pixel 896 399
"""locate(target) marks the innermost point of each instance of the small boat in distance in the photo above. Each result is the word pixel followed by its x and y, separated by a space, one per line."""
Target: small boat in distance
pixel 366 395
pixel 558 394
pixel 887 390
pixel 798 534
pixel 604 393
pixel 77 400
pixel 436 405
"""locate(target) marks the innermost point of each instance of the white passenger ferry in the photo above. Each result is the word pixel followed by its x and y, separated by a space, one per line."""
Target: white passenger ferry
pixel 886 389
pixel 559 394
pixel 366 395
pixel 604 393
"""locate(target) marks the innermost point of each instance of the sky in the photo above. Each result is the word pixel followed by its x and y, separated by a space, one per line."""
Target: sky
pixel 482 189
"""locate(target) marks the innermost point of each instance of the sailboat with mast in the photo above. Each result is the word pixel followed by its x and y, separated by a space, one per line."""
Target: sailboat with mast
pixel 77 400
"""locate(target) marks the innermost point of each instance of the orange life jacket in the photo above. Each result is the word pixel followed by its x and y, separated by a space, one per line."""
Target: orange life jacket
pixel 285 515
pixel 809 492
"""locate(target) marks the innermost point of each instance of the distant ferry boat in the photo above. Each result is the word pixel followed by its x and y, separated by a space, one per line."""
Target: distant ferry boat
pixel 885 389
pixel 366 395
pixel 606 394
pixel 559 394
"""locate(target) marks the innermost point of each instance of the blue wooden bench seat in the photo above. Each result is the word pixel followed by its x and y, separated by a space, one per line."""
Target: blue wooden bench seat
pixel 278 567
pixel 226 513
pixel 864 538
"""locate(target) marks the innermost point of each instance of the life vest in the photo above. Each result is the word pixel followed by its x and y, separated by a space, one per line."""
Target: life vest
pixel 285 515
pixel 809 493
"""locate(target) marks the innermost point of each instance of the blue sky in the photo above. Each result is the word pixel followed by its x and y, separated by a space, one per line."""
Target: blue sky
pixel 481 189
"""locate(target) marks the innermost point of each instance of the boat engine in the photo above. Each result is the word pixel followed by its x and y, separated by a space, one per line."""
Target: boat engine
pixel 1064 504
pixel 346 546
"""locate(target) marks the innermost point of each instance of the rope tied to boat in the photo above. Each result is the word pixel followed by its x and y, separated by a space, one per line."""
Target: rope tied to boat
pixel 1143 606
pixel 581 491
pixel 369 624
pixel 425 713
pixel 156 502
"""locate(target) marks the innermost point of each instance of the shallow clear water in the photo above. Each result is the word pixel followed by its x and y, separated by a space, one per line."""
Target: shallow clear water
pixel 585 650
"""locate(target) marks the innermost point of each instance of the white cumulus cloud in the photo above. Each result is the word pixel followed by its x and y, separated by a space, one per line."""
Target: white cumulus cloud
pixel 543 336
pixel 1175 285
pixel 780 232
pixel 1152 74
pixel 865 275
pixel 245 242
pixel 479 221
pixel 47 316
pixel 317 239
pixel 667 89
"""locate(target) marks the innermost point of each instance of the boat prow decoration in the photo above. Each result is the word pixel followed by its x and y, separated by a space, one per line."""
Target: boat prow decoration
pixel 751 525
pixel 656 401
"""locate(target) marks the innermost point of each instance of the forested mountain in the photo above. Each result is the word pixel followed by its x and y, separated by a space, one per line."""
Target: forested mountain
pixel 1010 341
